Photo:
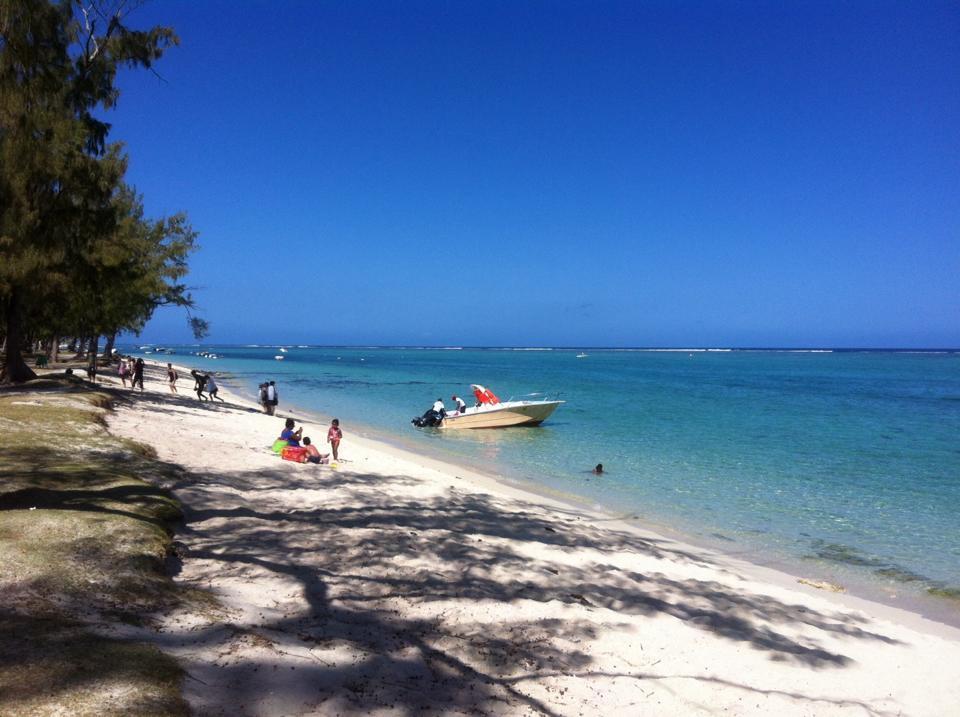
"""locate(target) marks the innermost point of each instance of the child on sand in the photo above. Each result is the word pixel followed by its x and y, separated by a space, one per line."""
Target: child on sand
pixel 314 455
pixel 334 435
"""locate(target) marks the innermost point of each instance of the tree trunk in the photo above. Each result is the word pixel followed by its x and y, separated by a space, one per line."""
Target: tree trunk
pixel 108 349
pixel 55 349
pixel 15 369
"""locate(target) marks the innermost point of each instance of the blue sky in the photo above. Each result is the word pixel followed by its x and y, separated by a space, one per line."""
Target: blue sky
pixel 558 173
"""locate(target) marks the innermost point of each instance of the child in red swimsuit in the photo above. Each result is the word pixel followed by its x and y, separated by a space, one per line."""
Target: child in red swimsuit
pixel 334 435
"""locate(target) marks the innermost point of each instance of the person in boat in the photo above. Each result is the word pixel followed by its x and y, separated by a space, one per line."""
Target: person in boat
pixel 598 469
pixel 439 408
pixel 292 437
pixel 461 405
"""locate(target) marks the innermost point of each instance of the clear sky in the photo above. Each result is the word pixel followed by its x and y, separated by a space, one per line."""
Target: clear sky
pixel 558 173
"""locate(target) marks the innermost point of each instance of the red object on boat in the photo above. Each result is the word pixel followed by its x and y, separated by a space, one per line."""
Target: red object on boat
pixel 484 395
pixel 297 454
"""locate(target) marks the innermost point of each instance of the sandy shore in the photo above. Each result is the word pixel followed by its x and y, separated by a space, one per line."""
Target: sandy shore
pixel 393 584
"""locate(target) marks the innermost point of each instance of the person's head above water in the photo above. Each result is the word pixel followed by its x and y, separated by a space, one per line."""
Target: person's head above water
pixel 599 468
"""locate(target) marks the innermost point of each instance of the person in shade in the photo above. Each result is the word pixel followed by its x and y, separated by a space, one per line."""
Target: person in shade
pixel 137 374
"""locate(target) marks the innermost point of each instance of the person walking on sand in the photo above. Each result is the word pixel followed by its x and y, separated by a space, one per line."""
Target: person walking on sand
pixel 172 378
pixel 334 436
pixel 137 375
pixel 199 381
pixel 273 398
pixel 212 389
pixel 122 371
pixel 262 397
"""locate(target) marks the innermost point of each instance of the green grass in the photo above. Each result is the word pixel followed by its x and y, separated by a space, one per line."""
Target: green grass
pixel 83 539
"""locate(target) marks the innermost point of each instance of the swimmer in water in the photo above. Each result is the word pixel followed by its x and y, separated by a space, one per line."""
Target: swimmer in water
pixel 598 469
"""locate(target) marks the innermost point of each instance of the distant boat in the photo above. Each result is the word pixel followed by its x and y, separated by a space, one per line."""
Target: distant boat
pixel 283 350
pixel 279 357
pixel 581 355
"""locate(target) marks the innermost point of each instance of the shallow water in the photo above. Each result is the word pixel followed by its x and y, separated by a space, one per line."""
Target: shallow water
pixel 846 461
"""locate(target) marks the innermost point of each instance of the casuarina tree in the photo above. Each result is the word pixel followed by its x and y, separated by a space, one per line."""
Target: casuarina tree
pixel 58 68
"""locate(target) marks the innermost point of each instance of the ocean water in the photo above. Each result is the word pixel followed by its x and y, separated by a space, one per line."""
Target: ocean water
pixel 842 465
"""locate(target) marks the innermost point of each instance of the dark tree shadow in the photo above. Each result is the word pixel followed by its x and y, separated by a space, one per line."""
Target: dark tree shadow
pixel 358 566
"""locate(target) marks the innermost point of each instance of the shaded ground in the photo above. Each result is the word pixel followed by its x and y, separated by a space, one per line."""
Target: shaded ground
pixel 84 542
pixel 353 593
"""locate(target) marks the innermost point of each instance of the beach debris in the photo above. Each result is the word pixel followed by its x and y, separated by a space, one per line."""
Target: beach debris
pixel 823 585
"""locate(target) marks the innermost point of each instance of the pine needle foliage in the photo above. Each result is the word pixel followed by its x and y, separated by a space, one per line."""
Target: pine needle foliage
pixel 77 255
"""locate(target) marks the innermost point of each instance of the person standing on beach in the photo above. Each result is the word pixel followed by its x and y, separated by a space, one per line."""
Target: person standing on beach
pixel 172 378
pixel 273 398
pixel 262 397
pixel 122 370
pixel 334 435
pixel 137 374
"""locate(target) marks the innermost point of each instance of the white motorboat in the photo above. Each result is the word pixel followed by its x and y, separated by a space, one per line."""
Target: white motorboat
pixel 279 357
pixel 491 412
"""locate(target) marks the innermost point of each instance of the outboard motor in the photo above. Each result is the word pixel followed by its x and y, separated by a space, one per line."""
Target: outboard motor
pixel 430 419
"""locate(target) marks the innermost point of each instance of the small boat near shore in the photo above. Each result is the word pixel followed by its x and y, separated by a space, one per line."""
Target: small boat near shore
pixel 490 412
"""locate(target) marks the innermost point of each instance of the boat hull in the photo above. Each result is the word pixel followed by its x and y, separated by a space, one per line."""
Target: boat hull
pixel 502 415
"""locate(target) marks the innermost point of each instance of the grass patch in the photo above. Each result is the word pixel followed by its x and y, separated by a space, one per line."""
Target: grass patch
pixel 84 540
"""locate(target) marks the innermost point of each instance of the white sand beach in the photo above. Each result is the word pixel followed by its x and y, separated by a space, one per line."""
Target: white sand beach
pixel 393 584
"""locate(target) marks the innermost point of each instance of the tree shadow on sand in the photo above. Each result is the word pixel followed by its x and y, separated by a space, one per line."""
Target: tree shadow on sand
pixel 365 570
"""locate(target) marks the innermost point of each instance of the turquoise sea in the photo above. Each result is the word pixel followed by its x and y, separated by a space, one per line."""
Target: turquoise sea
pixel 838 465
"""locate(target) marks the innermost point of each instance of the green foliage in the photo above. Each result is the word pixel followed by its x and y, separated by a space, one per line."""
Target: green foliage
pixel 77 255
